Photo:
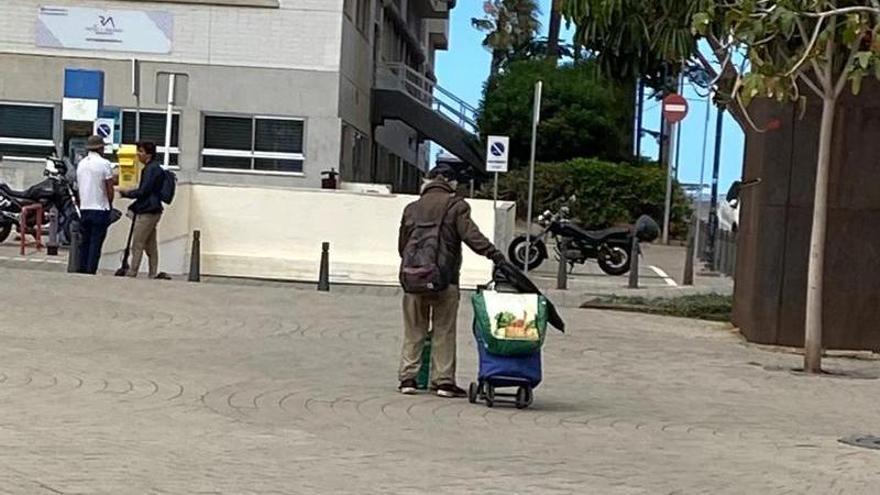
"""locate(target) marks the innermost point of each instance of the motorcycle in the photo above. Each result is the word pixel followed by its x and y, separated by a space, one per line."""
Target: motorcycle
pixel 611 248
pixel 56 190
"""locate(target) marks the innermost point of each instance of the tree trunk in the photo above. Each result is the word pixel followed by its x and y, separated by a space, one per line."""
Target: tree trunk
pixel 554 30
pixel 497 61
pixel 816 269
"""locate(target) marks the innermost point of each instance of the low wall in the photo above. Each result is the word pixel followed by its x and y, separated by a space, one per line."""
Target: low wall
pixel 274 233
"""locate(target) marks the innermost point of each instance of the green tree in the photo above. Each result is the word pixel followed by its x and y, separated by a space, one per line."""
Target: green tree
pixel 653 40
pixel 554 29
pixel 508 24
pixel 822 46
pixel 583 113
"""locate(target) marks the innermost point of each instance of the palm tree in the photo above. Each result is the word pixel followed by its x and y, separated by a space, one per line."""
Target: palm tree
pixel 508 24
pixel 554 29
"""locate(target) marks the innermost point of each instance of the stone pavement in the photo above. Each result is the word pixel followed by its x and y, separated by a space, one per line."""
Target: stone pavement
pixel 114 386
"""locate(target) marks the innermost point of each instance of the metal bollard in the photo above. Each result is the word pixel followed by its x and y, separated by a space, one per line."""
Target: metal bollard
pixel 562 272
pixel 195 258
pixel 52 246
pixel 688 277
pixel 324 275
pixel 634 264
pixel 73 251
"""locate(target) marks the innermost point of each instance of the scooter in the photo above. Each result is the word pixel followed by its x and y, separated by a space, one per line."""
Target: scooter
pixel 611 248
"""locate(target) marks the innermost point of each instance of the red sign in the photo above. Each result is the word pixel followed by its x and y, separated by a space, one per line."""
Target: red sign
pixel 675 108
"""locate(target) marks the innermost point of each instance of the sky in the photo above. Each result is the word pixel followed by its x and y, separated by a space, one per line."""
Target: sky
pixel 463 69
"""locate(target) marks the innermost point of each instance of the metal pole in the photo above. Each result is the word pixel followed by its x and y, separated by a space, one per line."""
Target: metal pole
pixel 678 129
pixel 195 259
pixel 640 108
pixel 634 265
pixel 536 117
pixel 703 167
pixel 667 203
pixel 562 272
pixel 52 247
pixel 688 276
pixel 713 205
pixel 136 91
pixel 495 194
pixel 324 274
pixel 166 162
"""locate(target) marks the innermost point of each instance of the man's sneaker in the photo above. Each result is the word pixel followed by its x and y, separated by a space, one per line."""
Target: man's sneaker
pixel 408 387
pixel 450 391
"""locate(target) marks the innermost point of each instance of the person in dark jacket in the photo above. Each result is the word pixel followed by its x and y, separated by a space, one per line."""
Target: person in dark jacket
pixel 438 311
pixel 146 210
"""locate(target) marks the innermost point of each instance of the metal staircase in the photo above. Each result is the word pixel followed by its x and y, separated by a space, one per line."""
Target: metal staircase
pixel 404 94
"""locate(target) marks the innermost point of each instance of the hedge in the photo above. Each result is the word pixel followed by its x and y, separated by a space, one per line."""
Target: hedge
pixel 607 193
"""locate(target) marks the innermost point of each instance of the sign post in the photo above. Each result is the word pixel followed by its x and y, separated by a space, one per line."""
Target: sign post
pixel 536 118
pixel 497 160
pixel 675 109
pixel 136 92
pixel 166 162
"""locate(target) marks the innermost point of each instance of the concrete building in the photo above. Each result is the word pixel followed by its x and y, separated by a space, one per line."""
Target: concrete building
pixel 268 92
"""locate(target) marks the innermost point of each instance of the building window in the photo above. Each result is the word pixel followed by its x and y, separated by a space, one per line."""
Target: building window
pixel 26 131
pixel 153 129
pixel 261 144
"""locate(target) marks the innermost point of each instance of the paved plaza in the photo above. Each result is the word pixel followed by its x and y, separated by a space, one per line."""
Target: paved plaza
pixel 113 386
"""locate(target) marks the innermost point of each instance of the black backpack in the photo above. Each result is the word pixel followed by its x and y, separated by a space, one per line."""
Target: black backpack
pixel 169 187
pixel 419 271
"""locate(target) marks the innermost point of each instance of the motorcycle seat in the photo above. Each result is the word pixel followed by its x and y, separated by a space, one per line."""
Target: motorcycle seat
pixel 601 235
pixel 21 197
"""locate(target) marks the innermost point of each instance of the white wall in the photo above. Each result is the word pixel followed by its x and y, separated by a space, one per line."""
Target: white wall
pixel 276 233
pixel 302 34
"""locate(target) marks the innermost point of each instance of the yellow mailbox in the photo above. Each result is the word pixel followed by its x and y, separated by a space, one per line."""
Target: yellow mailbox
pixel 129 168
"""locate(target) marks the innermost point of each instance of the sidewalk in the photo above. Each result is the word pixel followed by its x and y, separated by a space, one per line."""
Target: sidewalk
pixel 111 385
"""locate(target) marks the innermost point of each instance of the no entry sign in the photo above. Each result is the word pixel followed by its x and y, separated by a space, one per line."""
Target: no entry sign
pixel 675 108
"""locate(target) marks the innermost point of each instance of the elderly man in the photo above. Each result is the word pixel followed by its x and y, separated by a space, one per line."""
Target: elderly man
pixel 433 229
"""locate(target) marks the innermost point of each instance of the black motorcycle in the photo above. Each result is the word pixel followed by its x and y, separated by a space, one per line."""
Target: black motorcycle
pixel 56 190
pixel 611 248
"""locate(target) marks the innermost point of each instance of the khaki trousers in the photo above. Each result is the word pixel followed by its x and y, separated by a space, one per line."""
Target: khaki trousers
pixel 144 239
pixel 439 314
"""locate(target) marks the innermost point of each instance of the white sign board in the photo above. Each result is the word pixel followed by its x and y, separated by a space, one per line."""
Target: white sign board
pixel 497 154
pixel 104 128
pixel 79 109
pixel 82 28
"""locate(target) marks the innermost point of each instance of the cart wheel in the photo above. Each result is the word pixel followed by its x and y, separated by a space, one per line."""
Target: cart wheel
pixel 490 395
pixel 473 391
pixel 522 398
pixel 531 395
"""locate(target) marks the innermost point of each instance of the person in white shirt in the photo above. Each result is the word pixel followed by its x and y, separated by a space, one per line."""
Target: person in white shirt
pixel 94 177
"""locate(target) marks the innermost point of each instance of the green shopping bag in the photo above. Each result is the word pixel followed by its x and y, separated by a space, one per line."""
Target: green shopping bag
pixel 510 324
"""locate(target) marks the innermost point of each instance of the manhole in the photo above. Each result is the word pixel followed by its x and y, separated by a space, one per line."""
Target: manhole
pixel 864 441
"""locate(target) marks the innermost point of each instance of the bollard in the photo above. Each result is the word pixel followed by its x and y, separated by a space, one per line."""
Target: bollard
pixel 688 278
pixel 195 258
pixel 562 272
pixel 324 275
pixel 634 264
pixel 52 246
pixel 73 251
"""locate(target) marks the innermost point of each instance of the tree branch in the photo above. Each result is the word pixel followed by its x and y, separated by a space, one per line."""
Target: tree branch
pixel 812 85
pixel 841 11
pixel 812 44
pixel 841 82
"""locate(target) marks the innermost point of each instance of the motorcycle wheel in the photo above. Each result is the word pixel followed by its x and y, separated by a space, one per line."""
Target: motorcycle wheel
pixel 614 260
pixel 5 230
pixel 517 253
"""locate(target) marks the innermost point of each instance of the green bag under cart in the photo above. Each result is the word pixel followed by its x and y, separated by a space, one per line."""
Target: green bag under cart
pixel 510 324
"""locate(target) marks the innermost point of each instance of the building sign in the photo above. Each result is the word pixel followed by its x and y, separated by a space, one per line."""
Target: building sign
pixel 82 28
